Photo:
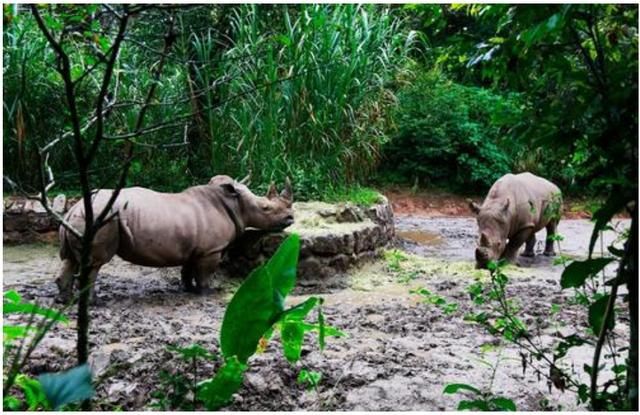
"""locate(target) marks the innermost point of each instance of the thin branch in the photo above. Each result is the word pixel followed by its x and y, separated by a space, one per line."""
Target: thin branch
pixel 169 39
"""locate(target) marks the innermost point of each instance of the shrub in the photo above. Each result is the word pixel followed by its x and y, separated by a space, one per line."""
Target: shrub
pixel 449 134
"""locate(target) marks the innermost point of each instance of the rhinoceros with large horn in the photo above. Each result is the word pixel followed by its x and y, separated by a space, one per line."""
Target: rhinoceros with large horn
pixel 189 229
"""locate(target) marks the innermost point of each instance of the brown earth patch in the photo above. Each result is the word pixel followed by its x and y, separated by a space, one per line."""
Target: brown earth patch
pixel 440 203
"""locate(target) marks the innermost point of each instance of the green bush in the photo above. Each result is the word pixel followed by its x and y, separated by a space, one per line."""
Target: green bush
pixel 449 135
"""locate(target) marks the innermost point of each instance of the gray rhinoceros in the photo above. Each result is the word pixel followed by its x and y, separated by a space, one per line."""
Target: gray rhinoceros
pixel 189 229
pixel 517 206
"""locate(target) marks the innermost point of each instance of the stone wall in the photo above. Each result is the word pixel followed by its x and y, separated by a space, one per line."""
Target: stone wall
pixel 26 221
pixel 334 238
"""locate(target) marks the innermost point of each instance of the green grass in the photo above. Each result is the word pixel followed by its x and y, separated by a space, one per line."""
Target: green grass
pixel 363 196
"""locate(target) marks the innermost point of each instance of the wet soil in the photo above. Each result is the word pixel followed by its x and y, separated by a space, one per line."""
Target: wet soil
pixel 399 352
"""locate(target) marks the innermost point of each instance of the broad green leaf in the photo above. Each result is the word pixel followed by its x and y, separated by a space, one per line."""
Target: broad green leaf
pixel 28 308
pixel 504 404
pixel 478 405
pixel 65 387
pixel 596 315
pixel 577 272
pixel 217 392
pixel 259 302
pixel 12 296
pixel 456 387
pixel 300 311
pixel 292 336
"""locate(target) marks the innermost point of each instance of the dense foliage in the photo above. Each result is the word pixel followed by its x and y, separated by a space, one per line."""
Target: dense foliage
pixel 450 135
pixel 300 92
pixel 575 68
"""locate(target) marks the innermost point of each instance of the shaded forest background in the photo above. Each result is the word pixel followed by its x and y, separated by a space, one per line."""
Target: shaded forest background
pixel 339 97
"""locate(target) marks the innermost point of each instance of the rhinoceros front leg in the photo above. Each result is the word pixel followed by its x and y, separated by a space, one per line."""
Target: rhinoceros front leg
pixel 515 242
pixel 64 281
pixel 530 244
pixel 204 268
pixel 551 231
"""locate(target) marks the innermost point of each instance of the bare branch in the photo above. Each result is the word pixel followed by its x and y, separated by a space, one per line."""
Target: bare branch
pixel 169 39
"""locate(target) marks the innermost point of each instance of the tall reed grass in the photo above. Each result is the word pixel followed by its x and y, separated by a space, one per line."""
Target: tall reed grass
pixel 303 92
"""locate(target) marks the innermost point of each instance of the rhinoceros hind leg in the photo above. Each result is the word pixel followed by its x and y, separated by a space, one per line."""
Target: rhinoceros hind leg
pixel 204 269
pixel 530 244
pixel 187 275
pixel 551 231
pixel 65 281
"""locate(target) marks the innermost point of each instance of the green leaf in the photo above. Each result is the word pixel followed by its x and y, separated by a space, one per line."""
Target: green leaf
pixel 65 387
pixel 309 377
pixel 217 392
pixel 477 404
pixel 11 403
pixel 192 351
pixel 292 336
pixel 456 387
pixel 259 302
pixel 567 343
pixel 321 329
pixel 11 333
pixel 12 296
pixel 504 404
pixel 577 272
pixel 33 392
pixel 615 202
pixel 300 311
pixel 13 307
pixel 596 315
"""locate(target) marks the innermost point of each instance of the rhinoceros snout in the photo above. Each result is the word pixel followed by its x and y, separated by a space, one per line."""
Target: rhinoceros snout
pixel 482 258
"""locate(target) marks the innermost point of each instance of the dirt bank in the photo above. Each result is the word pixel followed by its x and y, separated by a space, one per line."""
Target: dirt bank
pixel 399 352
pixel 440 203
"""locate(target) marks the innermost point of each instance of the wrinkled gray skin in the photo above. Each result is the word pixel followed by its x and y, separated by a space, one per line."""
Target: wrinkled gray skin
pixel 189 229
pixel 516 207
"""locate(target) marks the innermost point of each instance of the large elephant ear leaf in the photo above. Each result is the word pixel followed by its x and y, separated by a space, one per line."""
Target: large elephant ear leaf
pixel 67 387
pixel 259 302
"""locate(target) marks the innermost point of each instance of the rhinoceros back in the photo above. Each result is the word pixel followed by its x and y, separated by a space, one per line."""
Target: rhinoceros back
pixel 536 200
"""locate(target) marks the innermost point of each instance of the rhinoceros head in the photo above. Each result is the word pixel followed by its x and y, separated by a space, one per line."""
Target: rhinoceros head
pixel 270 212
pixel 493 226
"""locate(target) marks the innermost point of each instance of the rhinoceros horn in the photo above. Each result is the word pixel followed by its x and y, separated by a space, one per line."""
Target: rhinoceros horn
pixel 287 193
pixel 272 192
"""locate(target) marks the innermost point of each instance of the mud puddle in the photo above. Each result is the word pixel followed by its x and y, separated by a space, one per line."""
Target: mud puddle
pixel 399 352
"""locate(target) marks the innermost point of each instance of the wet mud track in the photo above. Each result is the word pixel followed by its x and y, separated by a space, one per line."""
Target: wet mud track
pixel 399 352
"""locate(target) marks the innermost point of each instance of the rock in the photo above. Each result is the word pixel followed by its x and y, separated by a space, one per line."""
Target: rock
pixel 349 213
pixel 99 362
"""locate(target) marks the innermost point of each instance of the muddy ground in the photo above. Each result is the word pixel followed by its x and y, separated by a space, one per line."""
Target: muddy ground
pixel 398 355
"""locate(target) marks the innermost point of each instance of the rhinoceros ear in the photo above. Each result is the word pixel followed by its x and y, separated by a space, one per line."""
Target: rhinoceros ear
pixel 473 206
pixel 230 189
pixel 287 193
pixel 272 192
